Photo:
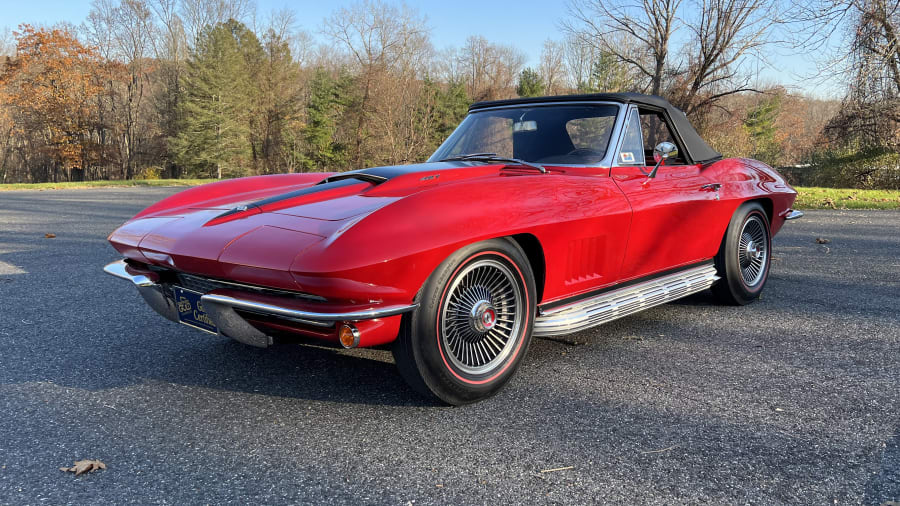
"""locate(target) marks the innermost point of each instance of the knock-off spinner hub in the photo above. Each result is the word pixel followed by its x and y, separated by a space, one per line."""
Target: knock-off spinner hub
pixel 483 316
pixel 753 250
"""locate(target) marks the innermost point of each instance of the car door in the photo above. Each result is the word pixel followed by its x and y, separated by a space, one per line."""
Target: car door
pixel 669 212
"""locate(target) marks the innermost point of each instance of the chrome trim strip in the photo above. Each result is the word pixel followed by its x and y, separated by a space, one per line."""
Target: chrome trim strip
pixel 117 269
pixel 608 157
pixel 793 214
pixel 258 307
pixel 615 304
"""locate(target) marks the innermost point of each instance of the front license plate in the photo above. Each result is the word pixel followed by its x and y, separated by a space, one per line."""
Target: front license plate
pixel 190 310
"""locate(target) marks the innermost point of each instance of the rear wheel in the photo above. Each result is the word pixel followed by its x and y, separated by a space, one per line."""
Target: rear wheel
pixel 744 256
pixel 473 324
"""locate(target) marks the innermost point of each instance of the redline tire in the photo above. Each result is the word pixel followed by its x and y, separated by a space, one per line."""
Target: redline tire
pixel 473 325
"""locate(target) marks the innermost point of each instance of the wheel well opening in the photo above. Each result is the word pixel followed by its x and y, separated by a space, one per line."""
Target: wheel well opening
pixel 535 253
pixel 767 205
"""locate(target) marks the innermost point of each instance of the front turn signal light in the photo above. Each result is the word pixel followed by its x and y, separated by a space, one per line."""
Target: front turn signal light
pixel 349 336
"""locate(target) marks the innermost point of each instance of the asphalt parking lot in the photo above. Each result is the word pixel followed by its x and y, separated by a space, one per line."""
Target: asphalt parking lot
pixel 791 400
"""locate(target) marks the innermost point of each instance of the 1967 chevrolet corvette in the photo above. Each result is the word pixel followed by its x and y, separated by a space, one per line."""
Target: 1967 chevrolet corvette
pixel 537 217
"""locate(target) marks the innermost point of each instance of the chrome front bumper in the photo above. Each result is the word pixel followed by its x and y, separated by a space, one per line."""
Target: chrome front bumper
pixel 793 214
pixel 221 308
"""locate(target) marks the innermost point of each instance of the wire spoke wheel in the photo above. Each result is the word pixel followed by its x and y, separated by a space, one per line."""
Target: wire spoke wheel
pixel 481 317
pixel 753 251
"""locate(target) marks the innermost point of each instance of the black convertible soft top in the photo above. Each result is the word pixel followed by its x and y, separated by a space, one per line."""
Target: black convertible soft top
pixel 698 151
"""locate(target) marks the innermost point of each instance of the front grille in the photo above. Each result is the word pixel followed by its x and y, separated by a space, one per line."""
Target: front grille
pixel 170 278
pixel 206 285
pixel 198 284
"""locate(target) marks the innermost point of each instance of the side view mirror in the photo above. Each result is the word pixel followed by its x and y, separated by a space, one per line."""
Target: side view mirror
pixel 662 152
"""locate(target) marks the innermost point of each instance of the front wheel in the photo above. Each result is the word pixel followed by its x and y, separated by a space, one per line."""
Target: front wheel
pixel 473 324
pixel 744 256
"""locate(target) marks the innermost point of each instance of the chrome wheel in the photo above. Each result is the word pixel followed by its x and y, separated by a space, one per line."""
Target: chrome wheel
pixel 481 317
pixel 753 250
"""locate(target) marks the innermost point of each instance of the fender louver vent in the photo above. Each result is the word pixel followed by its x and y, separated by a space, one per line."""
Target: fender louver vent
pixel 584 258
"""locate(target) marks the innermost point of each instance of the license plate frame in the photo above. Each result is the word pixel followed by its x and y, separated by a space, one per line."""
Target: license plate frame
pixel 190 310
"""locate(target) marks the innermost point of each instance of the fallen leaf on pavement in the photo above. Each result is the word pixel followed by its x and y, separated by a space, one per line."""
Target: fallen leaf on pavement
pixel 84 466
pixel 49 236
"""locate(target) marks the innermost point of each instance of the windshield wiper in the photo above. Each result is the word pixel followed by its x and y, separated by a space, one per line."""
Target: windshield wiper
pixel 492 157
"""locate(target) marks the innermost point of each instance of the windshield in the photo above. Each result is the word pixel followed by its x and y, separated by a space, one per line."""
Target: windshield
pixel 564 134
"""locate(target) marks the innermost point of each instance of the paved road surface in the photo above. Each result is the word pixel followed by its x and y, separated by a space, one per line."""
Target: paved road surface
pixel 791 400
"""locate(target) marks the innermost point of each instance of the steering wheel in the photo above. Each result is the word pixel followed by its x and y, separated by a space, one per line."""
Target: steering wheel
pixel 584 152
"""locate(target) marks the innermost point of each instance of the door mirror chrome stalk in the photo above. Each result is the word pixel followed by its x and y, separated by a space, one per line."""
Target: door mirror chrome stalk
pixel 662 152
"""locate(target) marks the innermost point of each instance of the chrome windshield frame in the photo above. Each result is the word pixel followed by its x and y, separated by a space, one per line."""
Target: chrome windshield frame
pixel 614 139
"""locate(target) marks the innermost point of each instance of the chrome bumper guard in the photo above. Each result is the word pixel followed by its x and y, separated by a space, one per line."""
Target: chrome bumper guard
pixel 793 214
pixel 221 308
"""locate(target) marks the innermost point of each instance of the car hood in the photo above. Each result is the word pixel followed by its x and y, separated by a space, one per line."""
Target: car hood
pixel 257 233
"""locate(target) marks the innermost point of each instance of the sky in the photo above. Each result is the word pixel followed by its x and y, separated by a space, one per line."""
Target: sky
pixel 525 24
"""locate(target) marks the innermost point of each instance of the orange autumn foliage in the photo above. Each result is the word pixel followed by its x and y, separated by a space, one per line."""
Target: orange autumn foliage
pixel 52 85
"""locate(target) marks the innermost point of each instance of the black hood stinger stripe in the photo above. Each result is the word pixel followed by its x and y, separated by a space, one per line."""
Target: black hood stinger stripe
pixel 374 176
pixel 259 204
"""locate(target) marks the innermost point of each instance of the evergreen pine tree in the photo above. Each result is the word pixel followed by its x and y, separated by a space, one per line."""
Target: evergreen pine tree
pixel 530 84
pixel 327 100
pixel 448 106
pixel 213 134
pixel 760 124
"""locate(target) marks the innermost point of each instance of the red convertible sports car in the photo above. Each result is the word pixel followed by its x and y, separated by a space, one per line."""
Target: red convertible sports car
pixel 536 217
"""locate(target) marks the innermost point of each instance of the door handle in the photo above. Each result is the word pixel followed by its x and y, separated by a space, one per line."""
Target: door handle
pixel 711 187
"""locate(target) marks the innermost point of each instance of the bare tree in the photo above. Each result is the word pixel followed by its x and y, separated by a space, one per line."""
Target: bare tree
pixel 170 48
pixel 826 30
pixel 302 47
pixel 490 70
pixel 198 14
pixel 134 31
pixel 649 24
pixel 97 28
pixel 877 36
pixel 868 60
pixel 7 42
pixel 579 58
pixel 278 97
pixel 123 31
pixel 726 32
pixel 552 68
pixel 7 49
pixel 170 44
pixel 593 69
pixel 447 66
pixel 382 40
pixel 703 66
